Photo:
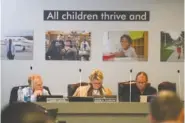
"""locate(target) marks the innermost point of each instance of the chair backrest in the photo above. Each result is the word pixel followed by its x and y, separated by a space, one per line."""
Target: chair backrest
pixel 121 86
pixel 167 86
pixel 124 86
pixel 47 88
pixel 13 93
pixel 14 96
pixel 72 87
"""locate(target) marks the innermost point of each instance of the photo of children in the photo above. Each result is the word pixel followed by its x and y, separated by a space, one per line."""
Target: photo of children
pixel 172 46
pixel 68 45
pixel 125 46
pixel 17 45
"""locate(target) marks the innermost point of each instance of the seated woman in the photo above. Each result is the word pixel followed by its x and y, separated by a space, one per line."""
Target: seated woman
pixel 36 86
pixel 94 88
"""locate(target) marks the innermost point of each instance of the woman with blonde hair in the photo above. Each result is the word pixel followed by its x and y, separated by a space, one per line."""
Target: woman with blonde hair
pixel 95 87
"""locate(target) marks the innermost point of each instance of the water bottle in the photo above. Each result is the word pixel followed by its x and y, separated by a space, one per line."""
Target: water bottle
pixel 29 94
pixel 27 97
pixel 19 94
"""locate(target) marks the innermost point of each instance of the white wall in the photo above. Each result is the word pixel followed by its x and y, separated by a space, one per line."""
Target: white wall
pixel 28 14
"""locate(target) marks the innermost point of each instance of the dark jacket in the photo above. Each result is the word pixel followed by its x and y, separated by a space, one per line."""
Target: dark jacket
pixel 135 93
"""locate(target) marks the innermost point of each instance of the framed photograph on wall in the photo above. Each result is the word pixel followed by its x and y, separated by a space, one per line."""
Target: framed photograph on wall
pixel 17 45
pixel 172 46
pixel 68 45
pixel 125 46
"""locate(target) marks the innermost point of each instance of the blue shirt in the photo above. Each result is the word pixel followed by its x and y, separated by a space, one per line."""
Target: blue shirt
pixel 33 97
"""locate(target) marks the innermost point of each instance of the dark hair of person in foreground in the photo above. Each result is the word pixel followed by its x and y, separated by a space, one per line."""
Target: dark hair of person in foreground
pixel 166 107
pixel 24 113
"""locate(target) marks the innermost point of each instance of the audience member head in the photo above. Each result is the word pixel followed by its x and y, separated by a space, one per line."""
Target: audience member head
pixel 24 113
pixel 125 41
pixel 96 79
pixel 167 86
pixel 166 107
pixel 141 80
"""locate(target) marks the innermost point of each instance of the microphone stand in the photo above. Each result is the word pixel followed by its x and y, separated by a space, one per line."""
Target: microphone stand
pixel 31 78
pixel 130 86
pixel 179 83
pixel 80 70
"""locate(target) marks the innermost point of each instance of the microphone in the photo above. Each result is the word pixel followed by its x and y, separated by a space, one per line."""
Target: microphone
pixel 130 70
pixel 31 84
pixel 179 83
pixel 80 71
pixel 130 85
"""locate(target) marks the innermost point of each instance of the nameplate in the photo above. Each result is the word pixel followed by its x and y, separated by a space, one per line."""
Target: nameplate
pixel 105 100
pixel 143 98
pixel 56 100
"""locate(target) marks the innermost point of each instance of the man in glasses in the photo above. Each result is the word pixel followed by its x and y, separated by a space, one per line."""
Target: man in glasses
pixel 140 88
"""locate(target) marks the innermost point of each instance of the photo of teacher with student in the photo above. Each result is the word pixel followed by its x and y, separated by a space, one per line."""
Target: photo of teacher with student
pixel 126 49
pixel 125 46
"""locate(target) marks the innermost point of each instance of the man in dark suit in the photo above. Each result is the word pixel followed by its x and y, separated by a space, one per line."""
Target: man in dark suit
pixel 141 87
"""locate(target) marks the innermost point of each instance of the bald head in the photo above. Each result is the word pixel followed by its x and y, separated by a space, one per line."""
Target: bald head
pixel 167 106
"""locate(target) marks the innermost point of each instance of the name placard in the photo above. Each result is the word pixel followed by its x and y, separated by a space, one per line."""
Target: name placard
pixel 56 100
pixel 80 15
pixel 105 100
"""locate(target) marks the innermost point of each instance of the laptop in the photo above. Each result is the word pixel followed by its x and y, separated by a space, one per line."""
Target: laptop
pixel 81 99
pixel 44 98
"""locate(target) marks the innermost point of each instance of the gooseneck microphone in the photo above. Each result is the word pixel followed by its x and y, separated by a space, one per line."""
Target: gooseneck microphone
pixel 130 86
pixel 31 83
pixel 179 83
pixel 80 71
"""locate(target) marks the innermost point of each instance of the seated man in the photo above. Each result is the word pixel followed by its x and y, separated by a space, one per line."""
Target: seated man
pixel 36 86
pixel 166 108
pixel 138 89
pixel 94 88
